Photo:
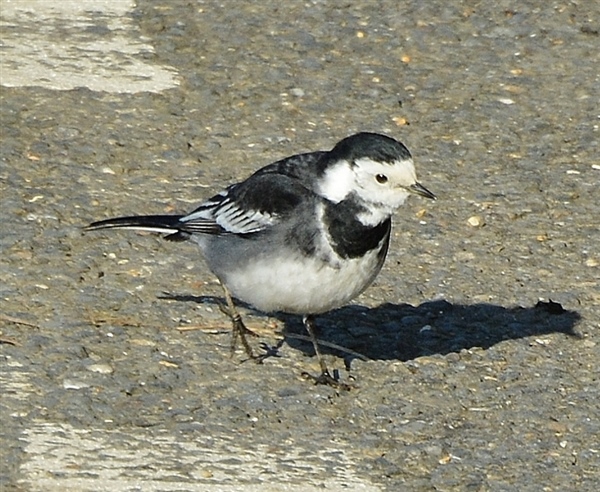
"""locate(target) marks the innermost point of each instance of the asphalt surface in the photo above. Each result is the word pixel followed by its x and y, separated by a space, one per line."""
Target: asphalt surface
pixel 473 359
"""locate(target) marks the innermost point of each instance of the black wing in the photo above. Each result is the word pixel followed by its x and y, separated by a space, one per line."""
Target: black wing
pixel 263 200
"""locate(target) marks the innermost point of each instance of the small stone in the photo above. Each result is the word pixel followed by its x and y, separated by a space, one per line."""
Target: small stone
pixel 475 221
pixel 400 121
pixel 100 368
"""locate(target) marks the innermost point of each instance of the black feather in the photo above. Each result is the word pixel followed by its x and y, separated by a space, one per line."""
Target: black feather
pixel 166 222
pixel 350 238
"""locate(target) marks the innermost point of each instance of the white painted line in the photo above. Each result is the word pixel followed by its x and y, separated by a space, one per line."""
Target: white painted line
pixel 67 44
pixel 61 457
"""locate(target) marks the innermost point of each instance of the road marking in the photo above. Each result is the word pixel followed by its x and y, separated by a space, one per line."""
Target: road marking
pixel 66 44
pixel 61 457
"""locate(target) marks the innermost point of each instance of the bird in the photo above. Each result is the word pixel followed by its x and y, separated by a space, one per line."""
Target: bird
pixel 301 236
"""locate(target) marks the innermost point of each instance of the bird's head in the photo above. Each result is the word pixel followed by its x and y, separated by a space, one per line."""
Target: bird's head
pixel 373 169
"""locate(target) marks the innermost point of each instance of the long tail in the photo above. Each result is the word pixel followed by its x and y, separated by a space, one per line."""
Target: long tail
pixel 165 224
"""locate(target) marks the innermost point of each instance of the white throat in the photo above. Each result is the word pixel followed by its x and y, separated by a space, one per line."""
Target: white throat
pixel 372 217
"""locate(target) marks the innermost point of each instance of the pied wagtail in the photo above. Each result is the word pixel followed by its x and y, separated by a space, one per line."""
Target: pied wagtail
pixel 303 235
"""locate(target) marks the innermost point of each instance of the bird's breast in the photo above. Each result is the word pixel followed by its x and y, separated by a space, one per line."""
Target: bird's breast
pixel 294 283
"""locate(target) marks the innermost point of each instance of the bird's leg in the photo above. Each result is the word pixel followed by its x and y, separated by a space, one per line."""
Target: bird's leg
pixel 325 377
pixel 239 329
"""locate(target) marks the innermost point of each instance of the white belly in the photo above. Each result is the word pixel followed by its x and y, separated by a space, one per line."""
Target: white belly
pixel 302 285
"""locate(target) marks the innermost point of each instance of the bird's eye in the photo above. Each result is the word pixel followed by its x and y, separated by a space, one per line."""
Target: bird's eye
pixel 381 178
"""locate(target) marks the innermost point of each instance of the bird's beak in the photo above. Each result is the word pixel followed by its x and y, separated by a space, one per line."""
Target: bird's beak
pixel 419 189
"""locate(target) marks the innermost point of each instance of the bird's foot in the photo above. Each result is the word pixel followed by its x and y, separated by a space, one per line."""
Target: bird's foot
pixel 240 331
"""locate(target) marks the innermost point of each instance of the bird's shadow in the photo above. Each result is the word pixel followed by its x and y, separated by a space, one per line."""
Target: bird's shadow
pixel 404 332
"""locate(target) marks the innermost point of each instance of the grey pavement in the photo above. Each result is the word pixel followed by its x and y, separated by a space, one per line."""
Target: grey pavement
pixel 480 337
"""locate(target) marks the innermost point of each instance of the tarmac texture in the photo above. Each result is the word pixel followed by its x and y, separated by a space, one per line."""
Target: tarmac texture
pixel 473 359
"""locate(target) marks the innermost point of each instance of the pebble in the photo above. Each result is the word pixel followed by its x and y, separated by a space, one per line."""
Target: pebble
pixel 475 221
pixel 100 368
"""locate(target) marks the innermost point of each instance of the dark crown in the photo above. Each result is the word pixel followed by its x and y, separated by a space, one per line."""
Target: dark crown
pixel 375 146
